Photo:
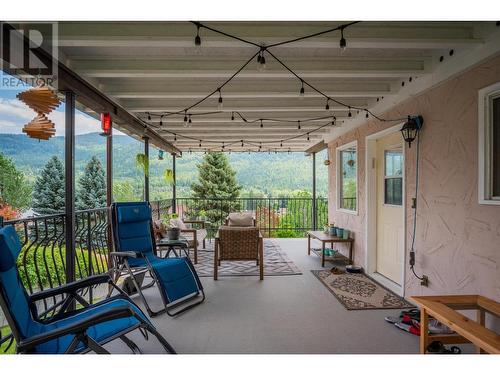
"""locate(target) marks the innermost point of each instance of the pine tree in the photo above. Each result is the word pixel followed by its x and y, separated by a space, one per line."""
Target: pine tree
pixel 216 180
pixel 92 186
pixel 49 193
pixel 14 190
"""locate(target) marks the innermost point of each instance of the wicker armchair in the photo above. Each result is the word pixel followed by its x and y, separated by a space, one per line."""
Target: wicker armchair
pixel 239 243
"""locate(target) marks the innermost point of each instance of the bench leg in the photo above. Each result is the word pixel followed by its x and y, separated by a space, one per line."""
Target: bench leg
pixel 481 319
pixel 308 244
pixel 322 254
pixel 424 331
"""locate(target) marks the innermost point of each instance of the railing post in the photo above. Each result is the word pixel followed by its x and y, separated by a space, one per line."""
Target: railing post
pixel 146 170
pixel 109 187
pixel 269 216
pixel 69 166
pixel 314 203
pixel 89 250
pixel 174 185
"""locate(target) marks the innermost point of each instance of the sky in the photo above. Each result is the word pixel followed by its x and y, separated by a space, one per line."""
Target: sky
pixel 14 114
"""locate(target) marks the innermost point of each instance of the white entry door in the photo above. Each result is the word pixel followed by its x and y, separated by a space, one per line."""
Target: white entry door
pixel 390 211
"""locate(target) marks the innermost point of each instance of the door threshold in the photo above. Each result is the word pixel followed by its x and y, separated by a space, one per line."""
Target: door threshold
pixel 389 284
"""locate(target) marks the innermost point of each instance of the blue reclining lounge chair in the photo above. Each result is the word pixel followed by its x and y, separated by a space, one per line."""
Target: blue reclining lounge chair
pixel 176 278
pixel 66 331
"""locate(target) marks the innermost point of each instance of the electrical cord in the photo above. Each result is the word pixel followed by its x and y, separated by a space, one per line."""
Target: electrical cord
pixel 412 249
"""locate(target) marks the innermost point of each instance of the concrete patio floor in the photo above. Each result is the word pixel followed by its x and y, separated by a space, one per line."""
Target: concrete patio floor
pixel 280 315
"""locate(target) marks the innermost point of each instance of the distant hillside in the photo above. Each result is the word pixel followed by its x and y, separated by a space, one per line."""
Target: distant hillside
pixel 260 173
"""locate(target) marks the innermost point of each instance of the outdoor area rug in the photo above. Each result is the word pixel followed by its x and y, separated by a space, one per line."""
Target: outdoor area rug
pixel 359 291
pixel 276 263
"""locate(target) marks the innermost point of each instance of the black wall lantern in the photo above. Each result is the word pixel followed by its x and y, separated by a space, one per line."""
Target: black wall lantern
pixel 411 128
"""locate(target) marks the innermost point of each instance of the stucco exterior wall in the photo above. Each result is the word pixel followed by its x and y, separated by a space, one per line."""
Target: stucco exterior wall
pixel 457 240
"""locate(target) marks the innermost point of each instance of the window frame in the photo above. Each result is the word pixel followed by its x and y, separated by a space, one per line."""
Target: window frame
pixel 485 147
pixel 395 176
pixel 339 178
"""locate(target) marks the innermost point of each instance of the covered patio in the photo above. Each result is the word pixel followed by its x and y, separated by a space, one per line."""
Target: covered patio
pixel 283 87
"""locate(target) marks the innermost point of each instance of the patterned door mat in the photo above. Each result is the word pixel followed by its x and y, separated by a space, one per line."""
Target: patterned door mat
pixel 360 292
pixel 276 263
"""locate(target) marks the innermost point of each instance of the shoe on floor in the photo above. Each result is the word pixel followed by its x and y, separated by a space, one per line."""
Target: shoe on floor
pixel 436 327
pixel 412 328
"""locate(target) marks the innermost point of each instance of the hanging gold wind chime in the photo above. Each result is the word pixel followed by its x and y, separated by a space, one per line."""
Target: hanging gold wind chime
pixel 43 101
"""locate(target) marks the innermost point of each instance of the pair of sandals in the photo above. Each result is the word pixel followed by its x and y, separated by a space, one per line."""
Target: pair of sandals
pixel 437 347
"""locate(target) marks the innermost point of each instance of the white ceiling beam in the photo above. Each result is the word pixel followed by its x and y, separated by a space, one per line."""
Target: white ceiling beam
pixel 211 42
pixel 245 95
pixel 96 73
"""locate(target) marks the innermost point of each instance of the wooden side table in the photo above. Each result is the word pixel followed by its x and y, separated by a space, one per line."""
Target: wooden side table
pixel 325 238
pixel 443 309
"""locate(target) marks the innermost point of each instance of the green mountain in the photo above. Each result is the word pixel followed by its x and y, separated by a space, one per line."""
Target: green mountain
pixel 260 174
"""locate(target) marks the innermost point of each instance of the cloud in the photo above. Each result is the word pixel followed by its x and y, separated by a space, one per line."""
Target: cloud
pixel 15 114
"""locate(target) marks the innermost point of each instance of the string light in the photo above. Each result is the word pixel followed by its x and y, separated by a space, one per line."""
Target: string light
pixel 261 124
pixel 185 119
pixel 242 144
pixel 161 118
pixel 298 125
pixel 343 42
pixel 327 106
pixel 367 114
pixel 219 105
pixel 302 91
pixel 175 137
pixel 199 144
pixel 189 121
pixel 308 137
pixel 232 116
pixel 149 116
pixel 281 143
pixel 261 59
pixel 349 114
pixel 197 39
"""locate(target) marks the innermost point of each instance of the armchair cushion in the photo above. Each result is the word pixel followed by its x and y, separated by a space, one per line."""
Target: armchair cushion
pixel 240 219
pixel 178 223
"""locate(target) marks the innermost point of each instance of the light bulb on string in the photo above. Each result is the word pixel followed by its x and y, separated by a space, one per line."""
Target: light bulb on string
pixel 232 116
pixel 308 138
pixel 298 125
pixel 189 121
pixel 261 124
pixel 149 116
pixel 199 145
pixel 219 104
pixel 175 137
pixel 367 114
pixel 161 120
pixel 343 42
pixel 185 119
pixel 242 143
pixel 261 61
pixel 281 143
pixel 349 114
pixel 302 91
pixel 197 39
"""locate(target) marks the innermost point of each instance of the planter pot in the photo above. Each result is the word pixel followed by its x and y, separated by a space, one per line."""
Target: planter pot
pixel 332 231
pixel 346 234
pixel 173 234
pixel 340 232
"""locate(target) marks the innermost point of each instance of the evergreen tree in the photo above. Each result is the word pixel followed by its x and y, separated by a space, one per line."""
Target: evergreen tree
pixel 216 180
pixel 92 186
pixel 14 190
pixel 49 193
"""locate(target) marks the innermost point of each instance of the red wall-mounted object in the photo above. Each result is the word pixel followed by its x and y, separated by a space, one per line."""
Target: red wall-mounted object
pixel 106 124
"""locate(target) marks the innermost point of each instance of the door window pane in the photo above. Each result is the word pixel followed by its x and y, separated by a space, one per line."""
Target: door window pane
pixel 496 147
pixel 393 181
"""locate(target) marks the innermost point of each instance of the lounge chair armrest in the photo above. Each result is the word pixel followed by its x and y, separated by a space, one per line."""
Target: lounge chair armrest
pixel 79 327
pixel 126 254
pixel 71 287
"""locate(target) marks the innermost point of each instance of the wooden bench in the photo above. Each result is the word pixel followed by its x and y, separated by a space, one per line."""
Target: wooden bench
pixel 443 309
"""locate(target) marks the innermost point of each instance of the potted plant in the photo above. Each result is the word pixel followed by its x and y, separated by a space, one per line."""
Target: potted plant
pixel 173 232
